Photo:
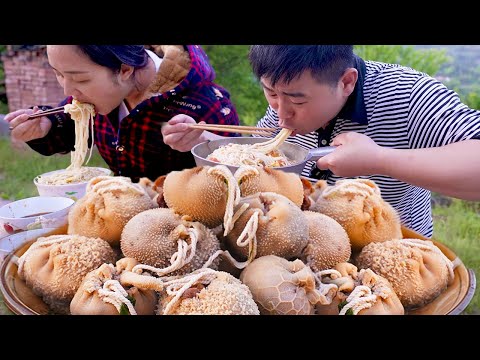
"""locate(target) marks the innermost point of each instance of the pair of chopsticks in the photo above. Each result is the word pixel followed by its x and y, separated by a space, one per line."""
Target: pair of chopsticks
pixel 235 129
pixel 47 112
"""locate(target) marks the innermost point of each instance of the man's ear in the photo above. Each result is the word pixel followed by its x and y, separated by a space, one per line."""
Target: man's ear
pixel 348 80
pixel 126 71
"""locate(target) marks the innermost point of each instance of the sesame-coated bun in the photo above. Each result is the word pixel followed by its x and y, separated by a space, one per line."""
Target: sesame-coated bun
pixel 417 275
pixel 198 193
pixel 282 227
pixel 88 300
pixel 281 287
pixel 152 236
pixel 270 180
pixel 358 206
pixel 379 298
pixel 223 295
pixel 109 202
pixel 54 266
pixel 328 242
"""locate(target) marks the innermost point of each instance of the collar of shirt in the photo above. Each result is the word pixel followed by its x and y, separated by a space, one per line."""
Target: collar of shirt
pixel 354 108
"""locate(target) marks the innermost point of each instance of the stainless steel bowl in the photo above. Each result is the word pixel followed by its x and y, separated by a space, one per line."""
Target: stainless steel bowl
pixel 295 153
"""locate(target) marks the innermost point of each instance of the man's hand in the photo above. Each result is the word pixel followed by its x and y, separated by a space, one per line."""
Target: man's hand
pixel 356 155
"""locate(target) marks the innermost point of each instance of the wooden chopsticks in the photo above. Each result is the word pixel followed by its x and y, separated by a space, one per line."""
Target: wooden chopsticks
pixel 46 112
pixel 235 129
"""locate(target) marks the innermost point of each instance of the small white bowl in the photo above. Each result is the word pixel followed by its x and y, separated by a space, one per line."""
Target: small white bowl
pixel 73 191
pixel 47 212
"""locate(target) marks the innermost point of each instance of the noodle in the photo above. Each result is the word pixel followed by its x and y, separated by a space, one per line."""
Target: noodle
pixel 264 154
pixel 83 114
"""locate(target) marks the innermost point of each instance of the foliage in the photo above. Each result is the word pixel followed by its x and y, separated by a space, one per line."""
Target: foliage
pixel 458 227
pixel 428 61
pixel 234 73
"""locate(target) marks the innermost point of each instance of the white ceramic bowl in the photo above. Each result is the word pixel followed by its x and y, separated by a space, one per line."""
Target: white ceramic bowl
pixel 47 212
pixel 73 191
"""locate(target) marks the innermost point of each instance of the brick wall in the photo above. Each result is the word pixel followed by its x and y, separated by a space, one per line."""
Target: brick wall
pixel 29 80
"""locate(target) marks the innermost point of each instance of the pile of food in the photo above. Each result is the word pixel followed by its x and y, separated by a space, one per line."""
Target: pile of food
pixel 257 241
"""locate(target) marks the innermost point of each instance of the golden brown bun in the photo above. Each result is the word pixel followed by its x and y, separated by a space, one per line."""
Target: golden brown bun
pixel 357 205
pixel 271 180
pixel 282 227
pixel 223 295
pixel 197 193
pixel 417 276
pixel 328 242
pixel 152 236
pixel 87 300
pixel 55 271
pixel 109 203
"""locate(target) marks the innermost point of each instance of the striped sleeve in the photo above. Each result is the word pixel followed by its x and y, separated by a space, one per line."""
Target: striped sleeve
pixel 437 117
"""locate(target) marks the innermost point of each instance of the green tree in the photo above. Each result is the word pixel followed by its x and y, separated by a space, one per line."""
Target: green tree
pixel 428 61
pixel 233 72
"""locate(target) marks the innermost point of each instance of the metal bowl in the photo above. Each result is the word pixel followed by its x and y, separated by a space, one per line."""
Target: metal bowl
pixel 295 153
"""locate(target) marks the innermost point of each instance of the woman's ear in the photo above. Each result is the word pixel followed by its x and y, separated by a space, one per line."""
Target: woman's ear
pixel 126 72
pixel 348 80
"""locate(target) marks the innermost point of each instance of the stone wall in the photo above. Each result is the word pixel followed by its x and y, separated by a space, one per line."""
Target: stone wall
pixel 29 80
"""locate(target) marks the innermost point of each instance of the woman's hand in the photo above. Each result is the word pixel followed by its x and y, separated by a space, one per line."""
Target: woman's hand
pixel 179 136
pixel 25 130
pixel 356 155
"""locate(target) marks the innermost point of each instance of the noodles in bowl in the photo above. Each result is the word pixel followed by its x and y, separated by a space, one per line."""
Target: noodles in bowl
pixel 246 154
pixel 265 154
pixel 72 181
pixel 74 189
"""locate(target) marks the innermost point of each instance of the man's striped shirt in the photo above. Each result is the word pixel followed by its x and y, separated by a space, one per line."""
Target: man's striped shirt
pixel 400 108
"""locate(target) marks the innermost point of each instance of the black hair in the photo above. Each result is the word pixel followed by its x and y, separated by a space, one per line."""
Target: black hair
pixel 113 56
pixel 284 63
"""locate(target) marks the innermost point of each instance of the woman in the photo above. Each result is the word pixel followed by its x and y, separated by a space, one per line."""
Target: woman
pixel 134 90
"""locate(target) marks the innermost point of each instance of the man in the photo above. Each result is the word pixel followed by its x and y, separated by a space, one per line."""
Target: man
pixel 394 125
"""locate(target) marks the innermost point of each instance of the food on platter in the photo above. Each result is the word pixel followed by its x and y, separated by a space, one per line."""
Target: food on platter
pixel 268 224
pixel 253 180
pixel 359 293
pixel 358 206
pixel 328 242
pixel 54 266
pixel 171 256
pixel 162 239
pixel 417 269
pixel 109 202
pixel 282 287
pixel 102 293
pixel 206 292
pixel 207 194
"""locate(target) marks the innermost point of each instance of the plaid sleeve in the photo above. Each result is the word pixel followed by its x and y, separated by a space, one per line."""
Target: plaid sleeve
pixel 60 138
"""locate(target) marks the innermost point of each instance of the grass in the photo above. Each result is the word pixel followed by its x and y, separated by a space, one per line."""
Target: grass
pixel 18 168
pixel 458 226
pixel 456 222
